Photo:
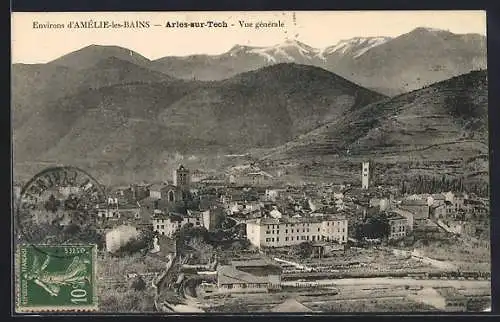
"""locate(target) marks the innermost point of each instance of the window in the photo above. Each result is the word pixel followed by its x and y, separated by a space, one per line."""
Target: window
pixel 328 223
pixel 286 231
pixel 313 238
pixel 162 226
pixel 272 239
pixel 277 239
pixel 307 237
pixel 318 228
pixel 292 237
pixel 286 238
pixel 307 229
pixel 273 231
pixel 268 232
pixel 303 230
pixel 157 226
pixel 277 232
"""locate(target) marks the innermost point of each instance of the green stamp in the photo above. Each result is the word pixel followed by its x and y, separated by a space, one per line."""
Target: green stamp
pixel 56 278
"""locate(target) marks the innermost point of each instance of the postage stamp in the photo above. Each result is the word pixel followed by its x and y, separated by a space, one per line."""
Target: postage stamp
pixel 60 206
pixel 58 278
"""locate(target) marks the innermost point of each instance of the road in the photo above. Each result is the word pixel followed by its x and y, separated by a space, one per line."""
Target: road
pixel 167 287
pixel 399 281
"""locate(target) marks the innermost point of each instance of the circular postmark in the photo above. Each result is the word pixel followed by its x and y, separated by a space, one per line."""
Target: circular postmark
pixel 60 206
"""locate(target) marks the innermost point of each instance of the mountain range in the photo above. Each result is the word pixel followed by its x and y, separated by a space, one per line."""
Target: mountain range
pixel 442 127
pixel 142 123
pixel 389 65
pixel 456 109
pixel 119 113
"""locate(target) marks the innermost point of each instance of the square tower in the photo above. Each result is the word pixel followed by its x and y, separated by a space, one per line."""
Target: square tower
pixel 182 177
pixel 365 175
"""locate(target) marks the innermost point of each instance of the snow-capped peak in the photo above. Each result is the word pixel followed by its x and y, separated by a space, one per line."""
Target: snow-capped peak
pixel 292 50
pixel 356 46
pixel 429 29
pixel 285 51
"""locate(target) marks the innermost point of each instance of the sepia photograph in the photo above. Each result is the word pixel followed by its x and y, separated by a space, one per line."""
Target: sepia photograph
pixel 250 162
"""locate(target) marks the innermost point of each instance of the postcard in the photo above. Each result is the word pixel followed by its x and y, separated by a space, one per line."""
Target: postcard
pixel 246 162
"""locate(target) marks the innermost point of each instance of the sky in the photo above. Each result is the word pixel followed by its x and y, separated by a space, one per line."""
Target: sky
pixel 317 29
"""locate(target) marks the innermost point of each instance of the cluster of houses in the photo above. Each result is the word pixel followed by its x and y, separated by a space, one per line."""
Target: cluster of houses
pixel 278 216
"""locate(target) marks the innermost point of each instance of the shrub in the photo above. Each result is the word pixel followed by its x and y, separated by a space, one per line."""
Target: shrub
pixel 138 284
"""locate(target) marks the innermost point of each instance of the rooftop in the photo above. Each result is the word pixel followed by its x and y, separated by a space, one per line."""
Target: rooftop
pixel 395 216
pixel 173 216
pixel 414 202
pixel 253 263
pixel 228 274
pixel 401 212
pixel 291 305
pixel 293 220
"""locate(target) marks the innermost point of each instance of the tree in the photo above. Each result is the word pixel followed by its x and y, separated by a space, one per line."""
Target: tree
pixel 138 284
pixel 358 231
pixel 147 236
pixel 403 187
pixel 303 250
pixel 240 244
pixel 203 249
pixel 188 232
pixel 376 226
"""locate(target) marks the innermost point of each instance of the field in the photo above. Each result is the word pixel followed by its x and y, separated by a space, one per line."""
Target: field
pixel 376 295
pixel 463 255
pixel 118 291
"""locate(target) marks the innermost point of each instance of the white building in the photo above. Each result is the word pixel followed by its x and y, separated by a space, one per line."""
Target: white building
pixel 120 236
pixel 282 232
pixel 407 215
pixel 338 195
pixel 168 224
pixel 275 213
pixel 449 196
pixel 365 175
pixel 273 194
pixel 67 190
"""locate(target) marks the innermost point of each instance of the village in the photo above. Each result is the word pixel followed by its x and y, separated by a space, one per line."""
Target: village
pixel 220 244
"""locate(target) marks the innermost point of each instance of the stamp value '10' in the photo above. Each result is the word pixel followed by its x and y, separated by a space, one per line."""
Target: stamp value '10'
pixel 56 278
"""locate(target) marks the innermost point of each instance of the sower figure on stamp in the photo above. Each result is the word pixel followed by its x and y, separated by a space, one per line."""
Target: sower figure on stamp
pixel 74 275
